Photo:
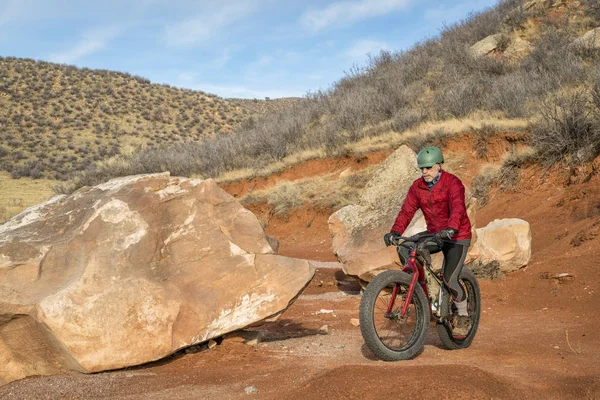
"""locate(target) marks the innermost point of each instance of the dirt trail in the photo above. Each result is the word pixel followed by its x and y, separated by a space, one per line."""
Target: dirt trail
pixel 538 338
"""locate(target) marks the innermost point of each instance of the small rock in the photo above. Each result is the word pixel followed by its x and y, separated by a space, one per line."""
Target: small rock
pixel 251 389
pixel 355 321
pixel 563 275
pixel 324 328
pixel 211 344
pixel 485 46
pixel 324 311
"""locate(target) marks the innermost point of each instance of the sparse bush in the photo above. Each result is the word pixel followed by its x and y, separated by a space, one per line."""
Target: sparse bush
pixel 592 8
pixel 436 138
pixel 482 139
pixel 480 187
pixel 460 99
pixel 406 118
pixel 569 128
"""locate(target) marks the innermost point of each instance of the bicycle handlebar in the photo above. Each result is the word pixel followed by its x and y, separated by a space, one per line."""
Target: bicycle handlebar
pixel 414 239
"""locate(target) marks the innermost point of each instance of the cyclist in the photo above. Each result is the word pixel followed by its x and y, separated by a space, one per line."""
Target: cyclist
pixel 441 197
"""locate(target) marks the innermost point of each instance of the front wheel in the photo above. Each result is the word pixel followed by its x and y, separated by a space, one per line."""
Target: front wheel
pixel 388 335
pixel 469 283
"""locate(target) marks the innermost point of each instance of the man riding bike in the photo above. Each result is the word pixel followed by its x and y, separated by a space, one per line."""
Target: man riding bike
pixel 441 197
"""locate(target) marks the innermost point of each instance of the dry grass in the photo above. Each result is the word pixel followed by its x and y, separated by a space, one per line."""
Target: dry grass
pixel 392 139
pixel 324 193
pixel 17 195
pixel 506 176
pixel 401 97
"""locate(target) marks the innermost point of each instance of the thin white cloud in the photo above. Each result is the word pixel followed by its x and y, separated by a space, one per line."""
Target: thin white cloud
pixel 347 12
pixel 90 42
pixel 208 24
pixel 364 47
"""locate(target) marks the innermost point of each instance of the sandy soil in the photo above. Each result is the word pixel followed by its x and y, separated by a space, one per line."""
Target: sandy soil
pixel 538 338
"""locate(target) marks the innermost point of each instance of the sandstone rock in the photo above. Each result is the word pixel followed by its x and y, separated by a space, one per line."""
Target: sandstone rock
pixel 131 271
pixel 590 40
pixel 357 230
pixel 507 241
pixel 486 46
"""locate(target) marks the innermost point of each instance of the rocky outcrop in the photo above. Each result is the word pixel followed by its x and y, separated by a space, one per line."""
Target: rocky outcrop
pixel 132 270
pixel 486 46
pixel 357 230
pixel 590 40
pixel 505 241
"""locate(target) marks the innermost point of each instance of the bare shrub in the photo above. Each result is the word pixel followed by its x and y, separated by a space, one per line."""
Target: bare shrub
pixel 553 54
pixel 482 139
pixel 511 93
pixel 407 118
pixel 460 99
pixel 593 9
pixel 568 129
pixel 480 187
pixel 509 177
pixel 436 138
pixel 516 18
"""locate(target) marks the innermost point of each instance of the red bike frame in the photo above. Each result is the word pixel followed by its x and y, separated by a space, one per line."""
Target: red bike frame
pixel 418 273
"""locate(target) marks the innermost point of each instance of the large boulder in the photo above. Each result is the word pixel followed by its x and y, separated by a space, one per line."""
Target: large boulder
pixel 504 241
pixel 357 230
pixel 130 271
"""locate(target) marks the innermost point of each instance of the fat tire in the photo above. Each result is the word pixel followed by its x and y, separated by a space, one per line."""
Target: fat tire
pixel 446 337
pixel 366 314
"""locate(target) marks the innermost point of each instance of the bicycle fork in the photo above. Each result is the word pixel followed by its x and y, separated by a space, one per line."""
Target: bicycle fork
pixel 410 267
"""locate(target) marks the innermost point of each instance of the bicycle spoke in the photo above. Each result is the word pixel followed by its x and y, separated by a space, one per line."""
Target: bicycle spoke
pixel 394 331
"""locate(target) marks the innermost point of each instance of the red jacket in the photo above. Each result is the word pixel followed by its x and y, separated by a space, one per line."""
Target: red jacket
pixel 443 206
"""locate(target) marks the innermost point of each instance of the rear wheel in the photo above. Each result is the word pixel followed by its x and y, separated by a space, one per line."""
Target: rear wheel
pixel 390 336
pixel 470 285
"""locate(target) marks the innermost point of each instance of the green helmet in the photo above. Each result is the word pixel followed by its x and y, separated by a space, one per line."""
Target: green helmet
pixel 430 156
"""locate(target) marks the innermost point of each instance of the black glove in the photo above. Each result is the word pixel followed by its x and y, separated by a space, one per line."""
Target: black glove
pixel 391 238
pixel 445 234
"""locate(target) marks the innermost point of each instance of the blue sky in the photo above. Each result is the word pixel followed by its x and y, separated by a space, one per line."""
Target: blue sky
pixel 243 48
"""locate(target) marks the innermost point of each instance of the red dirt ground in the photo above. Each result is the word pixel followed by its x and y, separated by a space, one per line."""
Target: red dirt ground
pixel 538 338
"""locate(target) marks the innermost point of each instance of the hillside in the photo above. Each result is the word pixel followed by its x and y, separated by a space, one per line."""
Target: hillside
pixel 516 61
pixel 516 66
pixel 519 124
pixel 57 119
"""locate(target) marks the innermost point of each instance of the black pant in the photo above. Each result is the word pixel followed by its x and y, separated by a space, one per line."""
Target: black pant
pixel 455 252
